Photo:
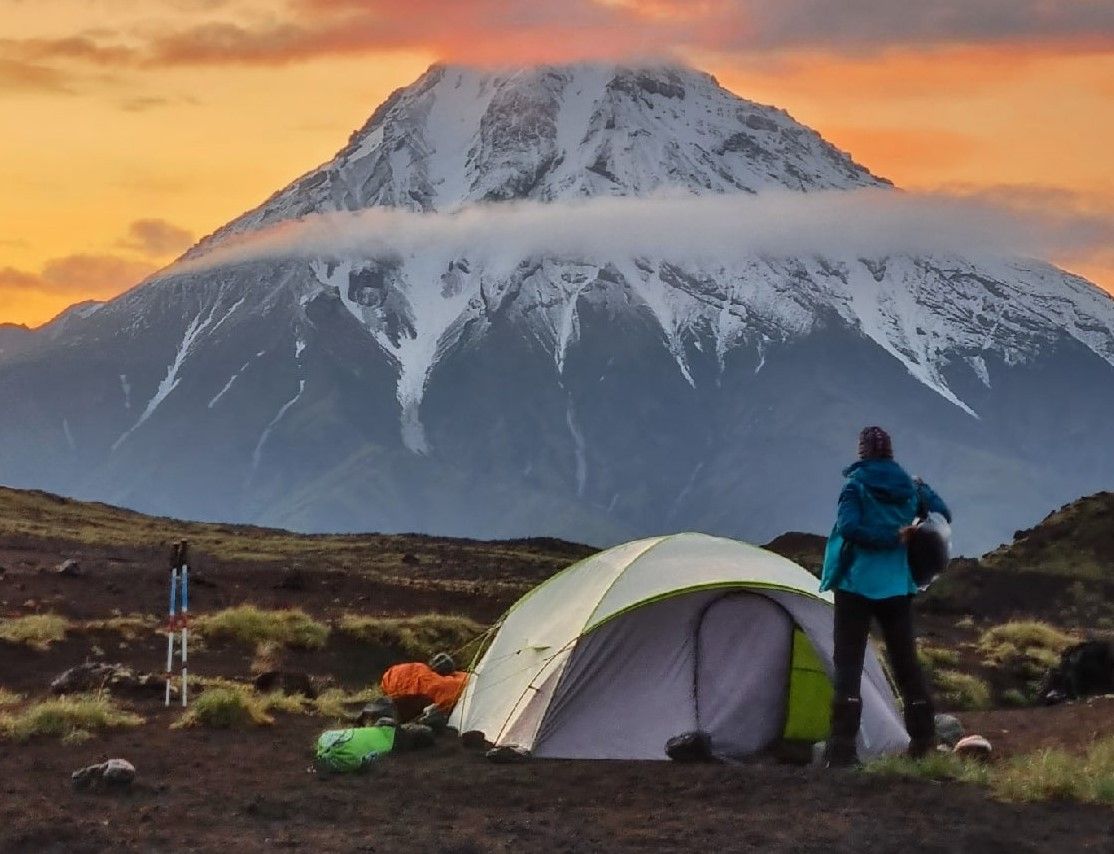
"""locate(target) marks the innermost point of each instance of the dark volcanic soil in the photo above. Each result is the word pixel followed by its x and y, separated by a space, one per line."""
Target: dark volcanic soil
pixel 201 790
pixel 253 790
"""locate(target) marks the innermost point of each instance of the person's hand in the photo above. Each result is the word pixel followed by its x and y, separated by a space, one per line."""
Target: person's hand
pixel 906 534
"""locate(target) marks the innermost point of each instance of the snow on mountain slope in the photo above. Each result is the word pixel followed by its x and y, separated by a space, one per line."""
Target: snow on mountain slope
pixel 461 135
pixel 928 313
pixel 596 395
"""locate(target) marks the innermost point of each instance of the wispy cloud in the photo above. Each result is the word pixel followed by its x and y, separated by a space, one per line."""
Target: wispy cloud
pixel 21 76
pixel 83 276
pixel 156 238
pixel 715 229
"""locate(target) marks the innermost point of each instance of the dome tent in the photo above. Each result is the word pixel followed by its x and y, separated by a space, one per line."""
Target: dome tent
pixel 620 652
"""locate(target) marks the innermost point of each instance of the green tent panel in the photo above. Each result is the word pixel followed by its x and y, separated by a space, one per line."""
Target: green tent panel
pixel 808 712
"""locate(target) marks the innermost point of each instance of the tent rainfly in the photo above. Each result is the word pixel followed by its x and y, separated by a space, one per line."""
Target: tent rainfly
pixel 620 652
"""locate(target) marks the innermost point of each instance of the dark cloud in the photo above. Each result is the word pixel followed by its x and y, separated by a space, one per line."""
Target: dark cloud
pixel 94 275
pixel 82 275
pixel 865 24
pixel 11 278
pixel 19 76
pixel 516 31
pixel 157 238
pixel 525 30
pixel 88 48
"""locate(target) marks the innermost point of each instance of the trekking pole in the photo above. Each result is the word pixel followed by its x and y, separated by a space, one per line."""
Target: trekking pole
pixel 185 617
pixel 171 624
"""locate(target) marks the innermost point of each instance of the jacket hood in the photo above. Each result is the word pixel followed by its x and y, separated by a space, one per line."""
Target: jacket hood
pixel 886 480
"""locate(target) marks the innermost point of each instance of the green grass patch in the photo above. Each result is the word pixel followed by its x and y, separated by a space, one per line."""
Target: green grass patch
pixel 1013 697
pixel 418 637
pixel 1022 652
pixel 251 625
pixel 935 766
pixel 1059 775
pixel 933 657
pixel 34 630
pixel 63 717
pixel 1041 776
pixel 1030 638
pixel 960 691
pixel 130 627
pixel 226 708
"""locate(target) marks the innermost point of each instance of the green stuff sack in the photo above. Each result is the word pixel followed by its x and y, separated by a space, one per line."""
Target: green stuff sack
pixel 346 750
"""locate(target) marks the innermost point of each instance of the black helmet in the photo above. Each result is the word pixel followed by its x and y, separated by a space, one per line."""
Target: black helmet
pixel 442 663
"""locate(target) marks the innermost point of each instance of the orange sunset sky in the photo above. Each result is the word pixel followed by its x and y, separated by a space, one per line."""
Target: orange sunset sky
pixel 129 129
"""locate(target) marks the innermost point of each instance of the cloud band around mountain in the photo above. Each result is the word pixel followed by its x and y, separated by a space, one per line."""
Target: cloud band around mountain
pixel 715 229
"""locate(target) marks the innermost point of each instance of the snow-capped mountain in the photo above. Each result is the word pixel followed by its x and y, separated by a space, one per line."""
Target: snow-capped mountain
pixel 588 397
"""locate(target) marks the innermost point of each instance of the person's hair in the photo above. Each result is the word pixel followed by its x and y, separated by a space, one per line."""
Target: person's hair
pixel 875 444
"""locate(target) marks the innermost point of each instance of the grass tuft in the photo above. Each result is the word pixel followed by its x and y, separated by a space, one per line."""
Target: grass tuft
pixel 933 657
pixel 418 637
pixel 251 625
pixel 9 698
pixel 62 717
pixel 1022 651
pixel 129 627
pixel 1058 775
pixel 960 691
pixel 226 708
pixel 935 766
pixel 34 630
pixel 1030 638
pixel 1041 776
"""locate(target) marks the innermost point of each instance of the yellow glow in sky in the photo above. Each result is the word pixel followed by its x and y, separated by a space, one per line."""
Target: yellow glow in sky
pixel 93 141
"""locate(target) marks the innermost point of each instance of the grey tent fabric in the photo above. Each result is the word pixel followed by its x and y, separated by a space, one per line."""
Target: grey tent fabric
pixel 742 670
pixel 713 660
pixel 628 686
pixel 602 659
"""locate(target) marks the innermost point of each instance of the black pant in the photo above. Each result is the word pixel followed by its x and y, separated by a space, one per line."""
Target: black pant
pixel 853 614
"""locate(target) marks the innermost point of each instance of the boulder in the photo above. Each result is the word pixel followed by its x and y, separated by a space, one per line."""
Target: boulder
pixel 69 568
pixel 949 730
pixel 116 678
pixel 287 681
pixel 507 754
pixel 114 774
pixel 118 772
pixel 473 739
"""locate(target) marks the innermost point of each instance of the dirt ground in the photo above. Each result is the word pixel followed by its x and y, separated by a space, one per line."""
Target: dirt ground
pixel 255 790
pixel 204 790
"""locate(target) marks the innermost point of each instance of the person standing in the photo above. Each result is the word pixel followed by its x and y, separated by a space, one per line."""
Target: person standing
pixel 867 566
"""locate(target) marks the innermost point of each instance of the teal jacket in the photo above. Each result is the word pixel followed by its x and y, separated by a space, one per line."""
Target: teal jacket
pixel 865 554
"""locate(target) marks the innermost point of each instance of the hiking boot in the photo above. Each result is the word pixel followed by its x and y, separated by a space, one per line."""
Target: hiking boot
pixel 920 721
pixel 840 749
